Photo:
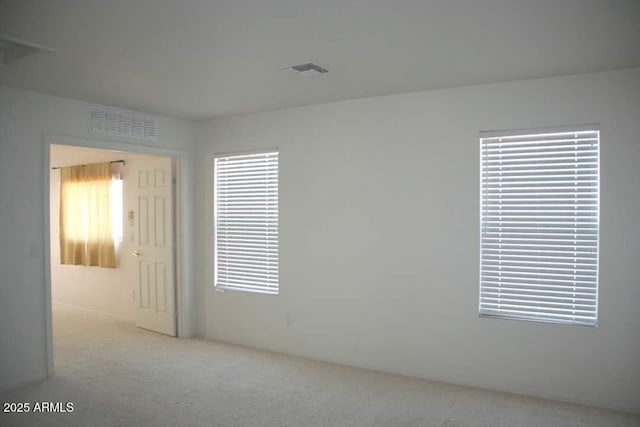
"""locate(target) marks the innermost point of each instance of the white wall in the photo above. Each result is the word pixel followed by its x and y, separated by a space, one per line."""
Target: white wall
pixel 379 215
pixel 108 290
pixel 24 119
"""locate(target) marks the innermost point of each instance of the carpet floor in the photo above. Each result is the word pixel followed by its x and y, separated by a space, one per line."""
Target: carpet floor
pixel 115 374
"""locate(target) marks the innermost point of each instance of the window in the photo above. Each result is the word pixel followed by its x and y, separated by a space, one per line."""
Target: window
pixel 117 209
pixel 87 212
pixel 539 225
pixel 246 222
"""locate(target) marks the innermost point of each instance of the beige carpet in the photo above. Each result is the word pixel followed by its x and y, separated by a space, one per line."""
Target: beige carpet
pixel 118 375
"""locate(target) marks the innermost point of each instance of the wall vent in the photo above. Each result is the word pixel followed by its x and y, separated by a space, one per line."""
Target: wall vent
pixel 123 123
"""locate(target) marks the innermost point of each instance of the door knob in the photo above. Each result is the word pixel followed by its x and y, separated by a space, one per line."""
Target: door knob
pixel 136 252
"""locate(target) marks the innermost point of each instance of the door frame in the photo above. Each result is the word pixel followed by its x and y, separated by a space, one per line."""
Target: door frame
pixel 178 157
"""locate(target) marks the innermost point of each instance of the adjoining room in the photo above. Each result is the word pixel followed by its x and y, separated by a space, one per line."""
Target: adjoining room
pixel 338 213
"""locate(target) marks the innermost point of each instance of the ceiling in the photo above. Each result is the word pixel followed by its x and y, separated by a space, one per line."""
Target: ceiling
pixel 199 59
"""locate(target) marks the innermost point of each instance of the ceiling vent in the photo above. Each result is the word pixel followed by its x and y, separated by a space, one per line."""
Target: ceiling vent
pixel 307 69
pixel 12 49
pixel 122 123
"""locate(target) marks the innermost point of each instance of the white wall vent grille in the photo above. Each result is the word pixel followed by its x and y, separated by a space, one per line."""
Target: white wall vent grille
pixel 123 124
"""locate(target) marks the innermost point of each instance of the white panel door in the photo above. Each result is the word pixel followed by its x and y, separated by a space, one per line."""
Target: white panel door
pixel 155 292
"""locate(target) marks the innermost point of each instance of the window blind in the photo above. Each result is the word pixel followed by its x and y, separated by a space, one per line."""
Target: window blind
pixel 246 222
pixel 539 225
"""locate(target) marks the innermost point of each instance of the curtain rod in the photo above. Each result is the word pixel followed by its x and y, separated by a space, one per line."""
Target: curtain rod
pixel 113 161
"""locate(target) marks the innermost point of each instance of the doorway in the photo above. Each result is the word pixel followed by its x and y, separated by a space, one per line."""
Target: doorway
pixel 143 288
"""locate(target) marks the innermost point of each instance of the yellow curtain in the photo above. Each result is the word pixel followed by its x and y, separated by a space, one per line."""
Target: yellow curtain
pixel 86 236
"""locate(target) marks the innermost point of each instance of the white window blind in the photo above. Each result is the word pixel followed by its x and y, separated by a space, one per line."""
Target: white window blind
pixel 246 222
pixel 539 225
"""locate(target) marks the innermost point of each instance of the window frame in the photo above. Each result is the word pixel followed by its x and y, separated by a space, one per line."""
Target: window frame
pixel 216 286
pixel 537 134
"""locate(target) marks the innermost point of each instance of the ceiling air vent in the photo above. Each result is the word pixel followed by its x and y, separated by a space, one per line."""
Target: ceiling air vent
pixel 12 49
pixel 123 123
pixel 308 69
